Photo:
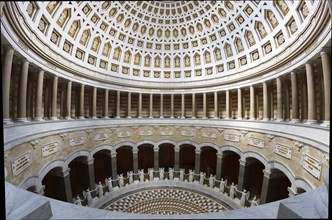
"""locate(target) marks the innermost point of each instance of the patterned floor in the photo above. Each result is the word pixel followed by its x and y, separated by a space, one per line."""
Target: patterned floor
pixel 166 202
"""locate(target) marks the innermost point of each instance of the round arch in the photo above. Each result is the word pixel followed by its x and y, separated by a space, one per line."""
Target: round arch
pixel 188 142
pixel 282 168
pixel 75 155
pixel 208 144
pixel 99 148
pixel 29 182
pixel 231 148
pixel 50 166
pixel 124 143
pixel 299 182
pixel 257 156
pixel 166 142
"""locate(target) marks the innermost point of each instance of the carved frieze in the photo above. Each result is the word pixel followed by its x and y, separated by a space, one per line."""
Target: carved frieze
pixel 50 148
pixel 144 132
pixel 269 137
pixel 208 134
pixel 77 141
pixel 232 137
pixel 256 142
pixel 166 132
pixel 123 133
pixel 21 162
pixel 188 132
pixel 63 135
pixel 101 136
pixel 282 150
pixel 312 165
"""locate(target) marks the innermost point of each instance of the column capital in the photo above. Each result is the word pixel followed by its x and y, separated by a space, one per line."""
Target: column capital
pixel 267 173
pixel 242 162
pixel 113 153
pixel 156 148
pixel 135 151
pixel 198 150
pixel 177 148
pixel 220 155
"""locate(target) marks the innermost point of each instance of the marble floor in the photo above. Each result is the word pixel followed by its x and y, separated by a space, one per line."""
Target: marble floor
pixel 169 201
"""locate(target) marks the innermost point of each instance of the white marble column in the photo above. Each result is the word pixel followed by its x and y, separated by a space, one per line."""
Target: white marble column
pixel 135 161
pixel 54 99
pixel 129 105
pixel 242 172
pixel 204 105
pixel 279 100
pixel 265 103
pixel 193 106
pixel 94 103
pixel 39 97
pixel 286 100
pixel 216 115
pixel 327 86
pixel 139 105
pixel 219 165
pixel 176 157
pixel 172 105
pixel 68 100
pixel 6 75
pixel 312 116
pixel 197 160
pixel 118 104
pixel 151 106
pixel 22 98
pixel 156 157
pixel 252 103
pixel 114 166
pixel 106 104
pixel 295 98
pixel 227 105
pixel 81 109
pixel 182 106
pixel 239 104
pixel 161 106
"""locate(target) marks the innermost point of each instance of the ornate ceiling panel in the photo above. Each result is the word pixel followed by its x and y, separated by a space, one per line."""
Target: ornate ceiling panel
pixel 168 40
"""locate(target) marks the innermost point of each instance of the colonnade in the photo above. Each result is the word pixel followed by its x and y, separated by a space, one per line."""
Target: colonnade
pixel 267 192
pixel 309 102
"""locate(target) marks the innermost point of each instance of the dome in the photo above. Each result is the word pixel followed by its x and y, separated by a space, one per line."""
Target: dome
pixel 168 44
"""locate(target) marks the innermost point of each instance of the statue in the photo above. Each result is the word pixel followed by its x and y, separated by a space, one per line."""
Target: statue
pixel 191 176
pixel 161 173
pixel 130 176
pixel 87 195
pixel 222 185
pixel 141 175
pixel 150 173
pixel 121 182
pixel 211 181
pixel 100 189
pixel 245 195
pixel 232 190
pixel 201 178
pixel 109 184
pixel 254 202
pixel 181 174
pixel 77 200
pixel 171 174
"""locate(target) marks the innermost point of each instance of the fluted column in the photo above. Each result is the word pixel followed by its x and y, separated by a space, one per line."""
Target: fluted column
pixel 161 106
pixel 22 98
pixel 139 105
pixel 216 115
pixel 193 106
pixel 39 96
pixel 81 109
pixel 312 117
pixel 151 106
pixel 118 104
pixel 68 100
pixel 265 103
pixel 327 85
pixel 204 105
pixel 239 104
pixel 172 105
pixel 279 99
pixel 6 75
pixel 94 103
pixel 182 105
pixel 106 104
pixel 129 105
pixel 295 98
pixel 227 105
pixel 252 103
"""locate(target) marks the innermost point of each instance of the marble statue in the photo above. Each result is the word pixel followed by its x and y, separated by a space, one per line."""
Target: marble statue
pixel 100 189
pixel 254 202
pixel 245 195
pixel 211 181
pixel 77 200
pixel 121 182
pixel 201 178
pixel 161 173
pixel 181 174
pixel 87 195
pixel 141 175
pixel 222 185
pixel 191 176
pixel 109 184
pixel 171 173
pixel 130 176
pixel 232 191
pixel 150 173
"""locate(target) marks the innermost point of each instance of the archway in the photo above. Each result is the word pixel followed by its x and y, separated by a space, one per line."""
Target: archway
pixel 208 161
pixel 79 175
pixel 166 156
pixel 253 176
pixel 230 166
pixel 187 157
pixel 277 187
pixel 54 184
pixel 102 165
pixel 145 157
pixel 124 160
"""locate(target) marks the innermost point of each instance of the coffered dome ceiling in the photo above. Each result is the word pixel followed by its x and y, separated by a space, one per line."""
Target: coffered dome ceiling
pixel 168 41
